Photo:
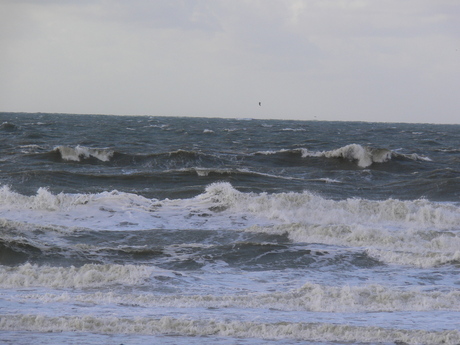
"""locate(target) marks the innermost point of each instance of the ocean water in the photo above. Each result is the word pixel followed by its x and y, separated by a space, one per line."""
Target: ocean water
pixel 167 230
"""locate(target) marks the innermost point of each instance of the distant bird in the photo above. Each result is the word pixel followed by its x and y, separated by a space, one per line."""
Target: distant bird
pixel 260 103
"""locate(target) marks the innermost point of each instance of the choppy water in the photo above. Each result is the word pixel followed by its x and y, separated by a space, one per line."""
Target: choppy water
pixel 170 230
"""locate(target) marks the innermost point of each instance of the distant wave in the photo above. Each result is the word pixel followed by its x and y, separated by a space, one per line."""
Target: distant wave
pixel 30 149
pixel 233 171
pixel 81 152
pixel 8 127
pixel 363 156
pixel 413 156
pixel 162 159
pixel 294 129
pixel 448 150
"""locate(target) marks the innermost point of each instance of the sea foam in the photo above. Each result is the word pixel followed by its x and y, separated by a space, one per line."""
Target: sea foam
pixel 241 329
pixel 87 276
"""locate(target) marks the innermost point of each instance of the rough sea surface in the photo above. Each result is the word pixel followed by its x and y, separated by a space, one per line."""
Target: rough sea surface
pixel 145 230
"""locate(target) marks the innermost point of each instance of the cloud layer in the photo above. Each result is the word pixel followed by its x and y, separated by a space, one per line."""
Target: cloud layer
pixel 384 60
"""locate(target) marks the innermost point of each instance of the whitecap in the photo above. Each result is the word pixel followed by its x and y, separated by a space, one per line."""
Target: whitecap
pixel 78 152
pixel 364 156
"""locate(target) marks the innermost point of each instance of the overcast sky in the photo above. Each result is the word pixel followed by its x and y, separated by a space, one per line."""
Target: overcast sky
pixel 364 60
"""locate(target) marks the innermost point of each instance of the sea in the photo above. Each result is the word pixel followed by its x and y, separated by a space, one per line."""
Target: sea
pixel 181 230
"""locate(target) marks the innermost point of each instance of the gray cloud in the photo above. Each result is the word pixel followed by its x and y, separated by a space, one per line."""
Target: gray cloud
pixel 337 60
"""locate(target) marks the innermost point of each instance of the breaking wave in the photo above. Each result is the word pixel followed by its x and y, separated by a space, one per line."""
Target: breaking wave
pixel 78 153
pixel 417 232
pixel 364 156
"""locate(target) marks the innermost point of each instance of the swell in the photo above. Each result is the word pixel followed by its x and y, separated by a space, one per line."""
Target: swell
pixel 16 251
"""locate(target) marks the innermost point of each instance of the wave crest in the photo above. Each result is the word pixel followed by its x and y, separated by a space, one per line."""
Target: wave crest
pixel 87 276
pixel 81 152
pixel 365 156
pixel 414 232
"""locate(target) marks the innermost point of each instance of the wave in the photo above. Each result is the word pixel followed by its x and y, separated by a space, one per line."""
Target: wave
pixel 279 208
pixel 309 297
pixel 309 207
pixel 294 129
pixel 78 153
pixel 240 172
pixel 161 159
pixel 363 156
pixel 87 276
pixel 413 232
pixel 8 127
pixel 15 250
pixel 419 232
pixel 226 328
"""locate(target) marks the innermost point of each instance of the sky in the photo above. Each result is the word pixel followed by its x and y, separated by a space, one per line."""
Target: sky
pixel 345 60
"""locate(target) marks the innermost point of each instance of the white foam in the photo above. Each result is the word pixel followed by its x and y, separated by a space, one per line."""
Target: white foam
pixel 310 208
pixel 281 208
pixel 31 148
pixel 426 233
pixel 87 276
pixel 107 210
pixel 240 329
pixel 326 180
pixel 273 152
